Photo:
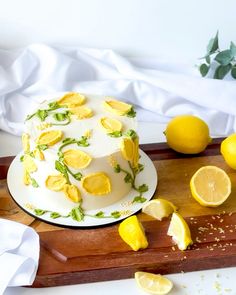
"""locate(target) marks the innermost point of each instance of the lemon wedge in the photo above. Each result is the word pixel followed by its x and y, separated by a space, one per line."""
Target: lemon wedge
pixel 29 164
pixel 76 159
pixel 159 208
pixel 72 99
pixel 110 125
pixel 127 148
pixel 82 112
pixel 132 232
pixel 152 283
pixel 179 231
pixel 49 137
pixel 97 183
pixel 55 182
pixel 25 142
pixel 117 107
pixel 210 186
pixel 72 192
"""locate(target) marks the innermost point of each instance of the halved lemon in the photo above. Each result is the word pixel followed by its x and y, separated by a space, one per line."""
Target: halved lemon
pixel 72 99
pixel 97 183
pixel 159 208
pixel 179 231
pixel 110 125
pixel 117 107
pixel 127 148
pixel 153 283
pixel 82 112
pixel 55 182
pixel 49 137
pixel 72 192
pixel 132 232
pixel 210 186
pixel 76 159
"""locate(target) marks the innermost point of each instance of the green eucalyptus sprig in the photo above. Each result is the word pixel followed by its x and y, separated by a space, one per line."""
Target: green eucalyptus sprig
pixel 226 59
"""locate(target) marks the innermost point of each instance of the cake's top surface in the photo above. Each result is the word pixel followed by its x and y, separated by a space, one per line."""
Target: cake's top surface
pixel 101 121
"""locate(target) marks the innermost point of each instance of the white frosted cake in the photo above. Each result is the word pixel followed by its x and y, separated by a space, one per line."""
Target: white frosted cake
pixel 80 149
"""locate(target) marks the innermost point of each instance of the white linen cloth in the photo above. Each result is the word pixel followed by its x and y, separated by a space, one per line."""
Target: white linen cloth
pixel 159 89
pixel 19 254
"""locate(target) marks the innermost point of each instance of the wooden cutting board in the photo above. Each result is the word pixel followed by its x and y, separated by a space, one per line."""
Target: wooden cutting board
pixel 89 255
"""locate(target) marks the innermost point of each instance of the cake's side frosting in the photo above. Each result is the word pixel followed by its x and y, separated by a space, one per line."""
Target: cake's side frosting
pixel 80 149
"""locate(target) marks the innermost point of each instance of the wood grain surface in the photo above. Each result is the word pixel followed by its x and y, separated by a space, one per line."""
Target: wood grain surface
pixel 88 255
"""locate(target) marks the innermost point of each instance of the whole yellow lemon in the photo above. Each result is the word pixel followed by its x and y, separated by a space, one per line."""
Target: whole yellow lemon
pixel 187 134
pixel 228 150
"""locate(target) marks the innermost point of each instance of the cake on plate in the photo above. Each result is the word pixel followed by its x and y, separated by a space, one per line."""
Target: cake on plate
pixel 80 149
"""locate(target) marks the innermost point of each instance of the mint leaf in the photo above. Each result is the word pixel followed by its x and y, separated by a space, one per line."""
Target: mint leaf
pixel 60 116
pixel 222 71
pixel 115 134
pixel 77 214
pixel 139 199
pixel 117 168
pixel 224 57
pixel 204 68
pixel 100 214
pixel 42 114
pixel 131 113
pixel 55 215
pixel 233 72
pixel 116 214
pixel 131 133
pixel 39 212
pixel 213 44
pixel 83 141
pixel 128 178
pixel 54 105
pixel 78 176
pixel 143 188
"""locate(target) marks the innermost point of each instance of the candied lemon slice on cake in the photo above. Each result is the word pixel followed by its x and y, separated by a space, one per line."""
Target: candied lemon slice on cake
pixel 72 99
pixel 72 192
pixel 26 177
pixel 153 283
pixel 49 137
pixel 28 164
pixel 97 183
pixel 38 154
pixel 55 182
pixel 117 107
pixel 132 233
pixel 110 125
pixel 159 208
pixel 76 159
pixel 82 112
pixel 210 186
pixel 136 152
pixel 179 231
pixel 127 148
pixel 26 142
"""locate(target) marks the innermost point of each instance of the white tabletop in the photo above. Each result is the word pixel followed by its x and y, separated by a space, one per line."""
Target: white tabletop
pixel 210 282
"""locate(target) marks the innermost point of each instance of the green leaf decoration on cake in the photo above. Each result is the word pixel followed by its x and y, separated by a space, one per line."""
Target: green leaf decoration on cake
pixel 139 199
pixel 77 214
pixel 115 134
pixel 131 113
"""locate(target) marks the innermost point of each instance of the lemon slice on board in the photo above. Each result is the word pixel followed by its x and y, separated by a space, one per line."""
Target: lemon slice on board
pixel 159 208
pixel 49 137
pixel 153 283
pixel 179 231
pixel 76 159
pixel 110 125
pixel 210 186
pixel 117 107
pixel 97 183
pixel 55 182
pixel 132 233
pixel 72 192
pixel 72 99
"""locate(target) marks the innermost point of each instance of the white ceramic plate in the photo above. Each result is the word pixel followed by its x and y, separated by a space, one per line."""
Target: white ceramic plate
pixel 125 207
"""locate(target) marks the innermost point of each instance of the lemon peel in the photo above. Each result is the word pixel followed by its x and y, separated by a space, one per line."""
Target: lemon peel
pixel 187 134
pixel 132 233
pixel 49 137
pixel 110 125
pixel 82 112
pixel 55 182
pixel 179 231
pixel 72 192
pixel 97 183
pixel 26 142
pixel 210 186
pixel 153 283
pixel 29 164
pixel 76 159
pixel 159 208
pixel 72 99
pixel 117 107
